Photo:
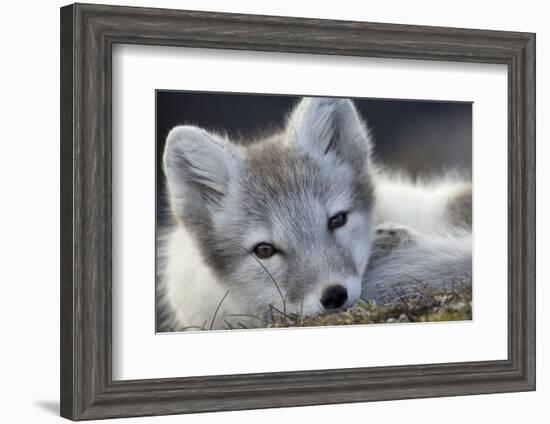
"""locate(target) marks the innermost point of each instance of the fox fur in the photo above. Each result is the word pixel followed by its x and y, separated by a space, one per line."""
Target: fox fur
pixel 226 199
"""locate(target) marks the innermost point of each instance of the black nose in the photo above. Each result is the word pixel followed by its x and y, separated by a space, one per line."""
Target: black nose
pixel 334 297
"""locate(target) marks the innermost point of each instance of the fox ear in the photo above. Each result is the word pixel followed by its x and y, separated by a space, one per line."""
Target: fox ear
pixel 199 167
pixel 323 125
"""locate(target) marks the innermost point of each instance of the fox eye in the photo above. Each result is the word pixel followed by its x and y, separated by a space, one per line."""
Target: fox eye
pixel 338 220
pixel 264 250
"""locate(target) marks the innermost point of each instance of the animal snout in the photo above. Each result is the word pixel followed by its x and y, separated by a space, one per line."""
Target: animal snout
pixel 334 297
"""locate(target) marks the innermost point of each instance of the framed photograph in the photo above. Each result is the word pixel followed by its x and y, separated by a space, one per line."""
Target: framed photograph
pixel 264 211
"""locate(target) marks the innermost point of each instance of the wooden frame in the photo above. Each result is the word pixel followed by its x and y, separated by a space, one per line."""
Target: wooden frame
pixel 88 33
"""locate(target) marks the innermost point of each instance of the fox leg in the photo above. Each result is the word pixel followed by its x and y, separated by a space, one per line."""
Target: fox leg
pixel 405 262
pixel 389 237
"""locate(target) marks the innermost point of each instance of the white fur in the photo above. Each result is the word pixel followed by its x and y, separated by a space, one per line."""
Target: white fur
pixel 420 205
pixel 439 254
pixel 434 262
pixel 191 289
pixel 435 252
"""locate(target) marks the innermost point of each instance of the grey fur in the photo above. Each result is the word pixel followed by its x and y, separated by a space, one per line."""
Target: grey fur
pixel 320 125
pixel 282 190
pixel 405 263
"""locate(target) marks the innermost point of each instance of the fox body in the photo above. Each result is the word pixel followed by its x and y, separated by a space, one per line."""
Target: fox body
pixel 289 223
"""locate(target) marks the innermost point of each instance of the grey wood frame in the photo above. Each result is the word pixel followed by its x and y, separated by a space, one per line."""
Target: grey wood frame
pixel 88 33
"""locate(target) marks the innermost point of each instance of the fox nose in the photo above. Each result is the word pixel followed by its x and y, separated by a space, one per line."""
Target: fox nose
pixel 334 297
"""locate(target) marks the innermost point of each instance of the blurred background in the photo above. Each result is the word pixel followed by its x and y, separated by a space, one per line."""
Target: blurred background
pixel 419 137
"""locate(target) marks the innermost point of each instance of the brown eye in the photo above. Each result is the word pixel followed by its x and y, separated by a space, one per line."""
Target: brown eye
pixel 338 220
pixel 264 250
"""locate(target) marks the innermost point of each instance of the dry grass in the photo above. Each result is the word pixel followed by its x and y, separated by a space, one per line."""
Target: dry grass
pixel 449 306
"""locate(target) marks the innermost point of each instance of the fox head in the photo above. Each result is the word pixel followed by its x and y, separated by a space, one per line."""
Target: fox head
pixel 285 221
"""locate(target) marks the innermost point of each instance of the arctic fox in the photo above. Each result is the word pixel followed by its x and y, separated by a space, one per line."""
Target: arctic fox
pixel 290 222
